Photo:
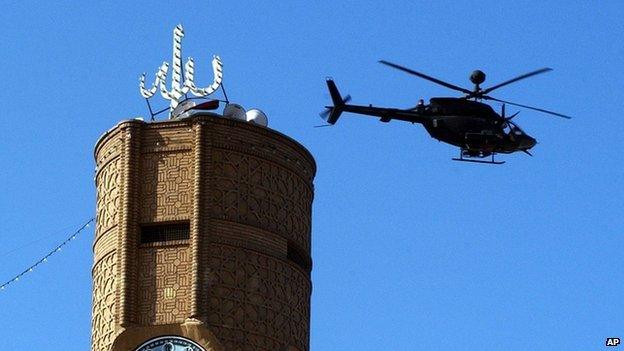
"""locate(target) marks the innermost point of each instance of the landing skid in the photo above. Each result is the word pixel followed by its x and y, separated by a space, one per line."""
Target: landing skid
pixel 477 161
pixel 462 159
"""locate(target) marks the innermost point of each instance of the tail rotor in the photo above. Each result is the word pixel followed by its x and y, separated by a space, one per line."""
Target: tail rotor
pixel 328 109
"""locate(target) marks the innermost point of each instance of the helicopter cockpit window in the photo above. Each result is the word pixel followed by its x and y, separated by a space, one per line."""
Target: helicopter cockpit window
pixel 512 129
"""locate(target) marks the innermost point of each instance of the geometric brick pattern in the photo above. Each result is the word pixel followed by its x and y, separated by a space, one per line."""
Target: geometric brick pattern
pixel 108 180
pixel 251 191
pixel 108 196
pixel 257 303
pixel 164 284
pixel 103 316
pixel 166 186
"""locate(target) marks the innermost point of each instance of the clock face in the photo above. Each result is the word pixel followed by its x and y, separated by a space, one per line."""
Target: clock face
pixel 170 343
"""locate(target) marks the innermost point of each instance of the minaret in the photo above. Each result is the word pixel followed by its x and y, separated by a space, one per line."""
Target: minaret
pixel 203 237
pixel 203 231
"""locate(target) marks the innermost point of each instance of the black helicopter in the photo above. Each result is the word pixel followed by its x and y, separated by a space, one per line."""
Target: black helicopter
pixel 465 122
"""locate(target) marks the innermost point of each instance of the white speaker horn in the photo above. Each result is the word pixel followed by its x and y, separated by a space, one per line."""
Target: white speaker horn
pixel 234 111
pixel 258 117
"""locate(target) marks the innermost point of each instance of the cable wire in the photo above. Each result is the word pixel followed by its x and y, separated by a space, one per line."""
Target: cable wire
pixel 45 258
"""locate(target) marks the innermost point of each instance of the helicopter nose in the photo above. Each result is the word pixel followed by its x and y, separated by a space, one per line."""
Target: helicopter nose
pixel 527 143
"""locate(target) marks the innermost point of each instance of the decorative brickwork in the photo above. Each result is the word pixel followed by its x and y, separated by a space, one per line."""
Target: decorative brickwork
pixel 257 302
pixel 108 196
pixel 167 137
pixel 164 284
pixel 166 186
pixel 103 317
pixel 252 191
pixel 241 280
pixel 271 147
pixel 108 180
pixel 108 204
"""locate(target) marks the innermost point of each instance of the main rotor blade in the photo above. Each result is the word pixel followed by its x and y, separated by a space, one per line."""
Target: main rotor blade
pixel 507 82
pixel 514 124
pixel 424 76
pixel 512 116
pixel 525 106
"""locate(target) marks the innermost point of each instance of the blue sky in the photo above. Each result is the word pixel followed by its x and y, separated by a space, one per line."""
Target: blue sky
pixel 411 250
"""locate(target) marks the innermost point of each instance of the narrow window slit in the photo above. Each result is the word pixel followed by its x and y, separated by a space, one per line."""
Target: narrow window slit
pixel 154 233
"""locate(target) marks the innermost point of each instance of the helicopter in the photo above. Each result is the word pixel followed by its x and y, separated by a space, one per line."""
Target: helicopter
pixel 465 122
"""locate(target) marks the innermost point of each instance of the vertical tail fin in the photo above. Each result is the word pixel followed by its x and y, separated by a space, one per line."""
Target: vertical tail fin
pixel 335 94
pixel 339 102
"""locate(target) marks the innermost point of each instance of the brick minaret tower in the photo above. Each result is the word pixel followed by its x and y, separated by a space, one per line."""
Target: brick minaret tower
pixel 203 233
